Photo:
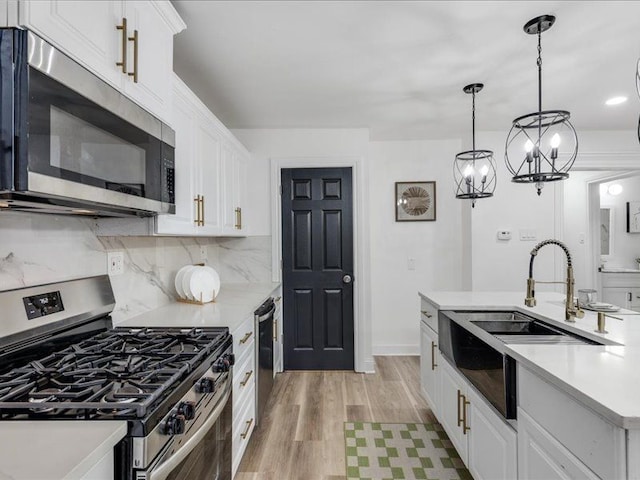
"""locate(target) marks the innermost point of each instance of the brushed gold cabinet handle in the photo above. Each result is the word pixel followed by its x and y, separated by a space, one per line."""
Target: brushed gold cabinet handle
pixel 426 314
pixel 199 221
pixel 123 63
pixel 246 430
pixel 238 218
pixel 247 376
pixel 465 402
pixel 134 39
pixel 459 413
pixel 433 356
pixel 277 299
pixel 202 207
pixel 246 338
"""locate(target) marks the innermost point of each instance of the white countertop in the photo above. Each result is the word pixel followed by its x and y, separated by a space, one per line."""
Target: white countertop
pixel 234 304
pixel 605 378
pixel 620 270
pixel 61 450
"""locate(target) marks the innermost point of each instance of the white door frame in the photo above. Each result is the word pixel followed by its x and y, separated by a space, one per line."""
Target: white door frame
pixel 362 335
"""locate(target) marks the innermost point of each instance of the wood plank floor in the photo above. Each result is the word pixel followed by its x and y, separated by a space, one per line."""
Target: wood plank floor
pixel 301 434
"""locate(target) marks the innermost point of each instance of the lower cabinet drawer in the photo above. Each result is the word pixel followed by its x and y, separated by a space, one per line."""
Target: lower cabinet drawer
pixel 243 339
pixel 242 428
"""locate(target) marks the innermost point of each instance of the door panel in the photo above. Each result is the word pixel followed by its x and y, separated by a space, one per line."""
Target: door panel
pixel 317 252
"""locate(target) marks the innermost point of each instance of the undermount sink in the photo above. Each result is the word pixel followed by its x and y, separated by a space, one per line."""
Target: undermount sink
pixel 515 327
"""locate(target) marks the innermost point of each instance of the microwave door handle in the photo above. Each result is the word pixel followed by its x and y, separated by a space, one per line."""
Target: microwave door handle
pixel 165 469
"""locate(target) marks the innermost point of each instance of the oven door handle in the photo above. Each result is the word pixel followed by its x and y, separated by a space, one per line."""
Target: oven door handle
pixel 268 314
pixel 165 469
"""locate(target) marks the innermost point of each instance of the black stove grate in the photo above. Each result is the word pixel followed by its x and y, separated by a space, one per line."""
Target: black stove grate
pixel 120 373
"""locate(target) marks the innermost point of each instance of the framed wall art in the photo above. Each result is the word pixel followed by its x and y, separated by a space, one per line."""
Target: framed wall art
pixel 633 217
pixel 415 201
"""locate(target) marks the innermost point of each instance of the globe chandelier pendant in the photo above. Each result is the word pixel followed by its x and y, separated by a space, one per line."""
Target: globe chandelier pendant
pixel 474 171
pixel 532 151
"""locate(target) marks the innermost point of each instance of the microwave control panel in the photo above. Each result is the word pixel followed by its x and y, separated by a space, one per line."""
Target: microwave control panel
pixel 44 304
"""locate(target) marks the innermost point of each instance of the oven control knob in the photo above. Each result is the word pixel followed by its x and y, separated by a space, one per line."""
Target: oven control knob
pixel 174 425
pixel 231 358
pixel 206 385
pixel 187 410
pixel 222 365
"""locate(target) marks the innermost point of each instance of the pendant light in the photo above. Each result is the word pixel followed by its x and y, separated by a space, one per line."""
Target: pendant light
pixel 533 152
pixel 474 170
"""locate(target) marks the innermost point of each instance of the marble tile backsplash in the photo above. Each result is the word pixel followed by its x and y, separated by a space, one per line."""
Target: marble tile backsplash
pixel 37 249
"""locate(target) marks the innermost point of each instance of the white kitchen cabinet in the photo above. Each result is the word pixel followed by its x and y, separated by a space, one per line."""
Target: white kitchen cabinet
pixel 87 31
pixel 234 173
pixel 244 389
pixel 622 289
pixel 486 444
pixel 492 444
pixel 542 457
pixel 277 336
pixel 210 170
pixel 555 431
pixel 429 366
pixel 452 406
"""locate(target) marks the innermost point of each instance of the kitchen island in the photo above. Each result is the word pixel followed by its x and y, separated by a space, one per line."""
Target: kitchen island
pixel 577 409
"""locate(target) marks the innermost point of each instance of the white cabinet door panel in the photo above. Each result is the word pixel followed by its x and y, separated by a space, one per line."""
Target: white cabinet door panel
pixel 542 457
pixel 450 405
pixel 85 30
pixel 208 154
pixel 492 443
pixel 429 366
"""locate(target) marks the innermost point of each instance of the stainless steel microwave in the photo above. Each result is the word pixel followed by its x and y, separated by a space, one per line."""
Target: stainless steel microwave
pixel 70 143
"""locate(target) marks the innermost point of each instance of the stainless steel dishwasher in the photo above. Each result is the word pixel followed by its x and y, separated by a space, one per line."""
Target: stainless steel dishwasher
pixel 264 355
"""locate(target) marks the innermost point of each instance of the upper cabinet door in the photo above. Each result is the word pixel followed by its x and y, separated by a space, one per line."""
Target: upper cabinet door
pixel 85 30
pixel 149 57
pixel 232 209
pixel 129 44
pixel 183 222
pixel 208 146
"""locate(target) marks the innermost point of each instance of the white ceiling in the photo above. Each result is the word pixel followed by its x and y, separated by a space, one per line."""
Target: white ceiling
pixel 398 68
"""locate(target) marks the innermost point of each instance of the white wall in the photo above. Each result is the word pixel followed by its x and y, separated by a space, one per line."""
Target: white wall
pixel 435 247
pixel 265 144
pixel 504 265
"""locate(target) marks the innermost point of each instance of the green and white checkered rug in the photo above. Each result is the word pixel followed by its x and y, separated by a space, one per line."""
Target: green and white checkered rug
pixel 380 451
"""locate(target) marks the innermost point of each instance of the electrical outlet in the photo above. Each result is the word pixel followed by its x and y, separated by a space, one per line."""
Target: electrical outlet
pixel 411 263
pixel 115 263
pixel 203 252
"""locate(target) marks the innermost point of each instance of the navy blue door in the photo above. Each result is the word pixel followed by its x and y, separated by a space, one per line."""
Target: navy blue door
pixel 317 268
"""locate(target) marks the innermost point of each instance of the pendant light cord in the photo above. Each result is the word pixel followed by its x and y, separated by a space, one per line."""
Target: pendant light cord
pixel 539 62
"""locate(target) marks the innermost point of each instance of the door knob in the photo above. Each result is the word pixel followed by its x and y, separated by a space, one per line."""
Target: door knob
pixel 347 279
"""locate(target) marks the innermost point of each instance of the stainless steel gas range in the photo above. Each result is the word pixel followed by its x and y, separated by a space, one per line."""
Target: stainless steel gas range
pixel 60 359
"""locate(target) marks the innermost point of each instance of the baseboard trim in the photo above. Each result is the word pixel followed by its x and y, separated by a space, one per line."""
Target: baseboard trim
pixel 385 350
pixel 369 366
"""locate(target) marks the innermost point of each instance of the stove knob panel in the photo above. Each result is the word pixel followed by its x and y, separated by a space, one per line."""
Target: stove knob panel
pixel 187 410
pixel 206 385
pixel 175 425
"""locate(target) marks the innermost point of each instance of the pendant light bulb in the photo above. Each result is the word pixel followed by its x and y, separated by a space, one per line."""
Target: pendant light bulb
pixel 555 141
pixel 484 170
pixel 468 172
pixel 528 146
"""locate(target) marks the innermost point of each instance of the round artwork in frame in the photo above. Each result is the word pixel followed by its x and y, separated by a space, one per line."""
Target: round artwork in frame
pixel 415 201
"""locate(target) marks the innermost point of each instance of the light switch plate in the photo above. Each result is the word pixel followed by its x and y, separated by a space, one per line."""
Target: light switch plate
pixel 528 235
pixel 504 235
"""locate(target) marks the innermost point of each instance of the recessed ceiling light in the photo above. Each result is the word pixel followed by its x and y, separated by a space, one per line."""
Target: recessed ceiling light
pixel 615 101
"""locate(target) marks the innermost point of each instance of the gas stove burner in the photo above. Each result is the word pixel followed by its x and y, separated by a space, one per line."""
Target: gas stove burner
pixel 42 396
pixel 123 394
